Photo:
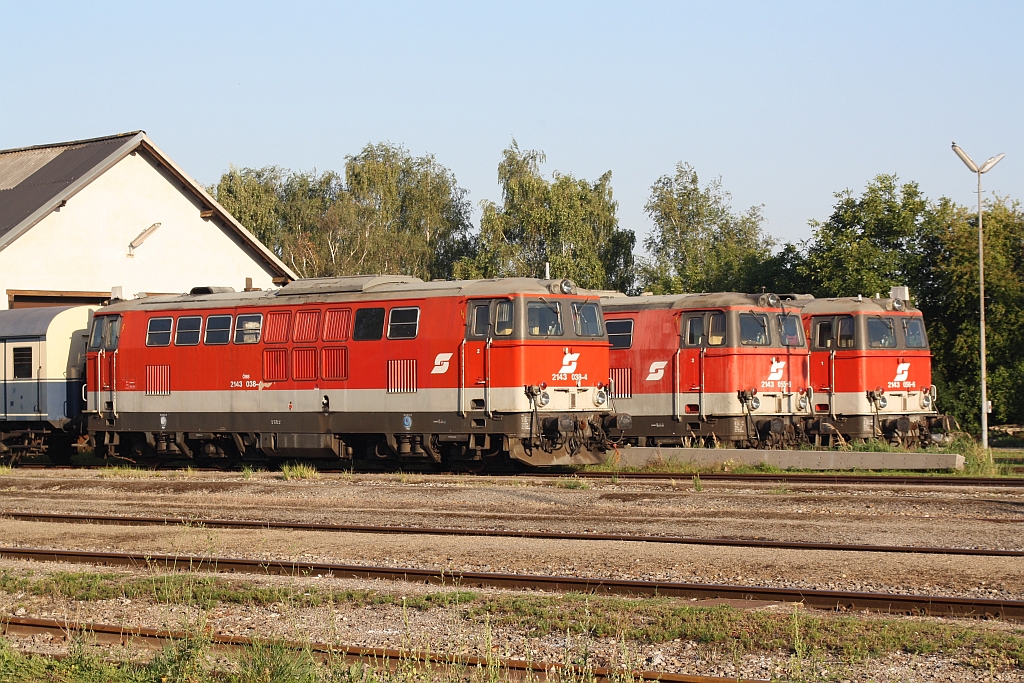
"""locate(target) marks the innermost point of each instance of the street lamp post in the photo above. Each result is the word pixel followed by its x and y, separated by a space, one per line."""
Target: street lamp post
pixel 984 168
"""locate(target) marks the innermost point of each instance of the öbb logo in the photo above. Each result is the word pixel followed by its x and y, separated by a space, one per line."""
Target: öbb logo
pixel 569 363
pixel 657 370
pixel 777 367
pixel 441 363
pixel 902 372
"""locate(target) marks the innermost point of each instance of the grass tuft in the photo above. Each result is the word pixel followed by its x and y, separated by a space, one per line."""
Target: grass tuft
pixel 125 472
pixel 5 469
pixel 297 470
pixel 572 482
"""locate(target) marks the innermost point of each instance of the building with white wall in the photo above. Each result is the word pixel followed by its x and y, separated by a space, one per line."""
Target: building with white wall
pixel 79 219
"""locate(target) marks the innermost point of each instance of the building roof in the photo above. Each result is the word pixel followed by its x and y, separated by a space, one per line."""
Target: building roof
pixel 34 181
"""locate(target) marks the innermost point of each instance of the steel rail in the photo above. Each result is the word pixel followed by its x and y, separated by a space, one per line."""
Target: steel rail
pixel 119 520
pixel 797 478
pixel 108 634
pixel 949 606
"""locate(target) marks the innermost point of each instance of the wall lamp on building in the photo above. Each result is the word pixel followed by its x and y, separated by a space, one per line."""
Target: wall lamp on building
pixel 143 236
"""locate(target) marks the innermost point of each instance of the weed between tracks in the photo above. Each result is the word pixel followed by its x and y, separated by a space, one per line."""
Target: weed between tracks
pixel 292 471
pixel 806 636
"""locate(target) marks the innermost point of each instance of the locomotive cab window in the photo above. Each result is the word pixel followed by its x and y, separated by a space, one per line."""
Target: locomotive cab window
pixel 218 329
pixel 481 318
pixel 881 333
pixel 620 333
pixel 22 362
pixel 544 318
pixel 913 330
pixel 754 329
pixel 716 329
pixel 823 336
pixel 159 332
pixel 188 330
pixel 586 319
pixel 369 324
pixel 846 332
pixel 403 323
pixel 247 328
pixel 503 318
pixel 791 331
pixel 695 331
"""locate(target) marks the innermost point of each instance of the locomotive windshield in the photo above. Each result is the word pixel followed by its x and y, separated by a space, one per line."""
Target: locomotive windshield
pixel 544 318
pixel 754 329
pixel 105 331
pixel 881 333
pixel 790 330
pixel 586 319
pixel 913 330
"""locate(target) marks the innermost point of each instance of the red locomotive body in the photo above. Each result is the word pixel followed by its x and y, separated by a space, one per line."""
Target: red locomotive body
pixel 388 367
pixel 870 371
pixel 691 368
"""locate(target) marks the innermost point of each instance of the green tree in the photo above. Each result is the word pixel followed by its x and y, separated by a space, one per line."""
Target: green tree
pixel 698 244
pixel 567 222
pixel 868 244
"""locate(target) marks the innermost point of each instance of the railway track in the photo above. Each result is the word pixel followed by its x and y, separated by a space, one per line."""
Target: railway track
pixel 119 520
pixel 1010 610
pixel 109 634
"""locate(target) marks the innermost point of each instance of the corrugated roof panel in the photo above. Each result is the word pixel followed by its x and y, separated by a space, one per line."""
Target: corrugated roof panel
pixel 48 180
pixel 16 166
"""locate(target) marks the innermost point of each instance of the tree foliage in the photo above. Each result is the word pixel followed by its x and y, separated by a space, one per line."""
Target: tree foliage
pixel 698 243
pixel 567 222
pixel 391 213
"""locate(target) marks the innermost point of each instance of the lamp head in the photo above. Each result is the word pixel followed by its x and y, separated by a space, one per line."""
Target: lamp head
pixel 966 159
pixel 987 166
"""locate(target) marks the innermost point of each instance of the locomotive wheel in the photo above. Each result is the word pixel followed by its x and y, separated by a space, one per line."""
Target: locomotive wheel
pixel 59 448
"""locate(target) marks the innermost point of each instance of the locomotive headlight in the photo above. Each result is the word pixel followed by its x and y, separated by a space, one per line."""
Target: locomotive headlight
pixel 802 403
pixel 600 397
pixel 926 400
pixel 543 399
pixel 882 401
pixel 755 403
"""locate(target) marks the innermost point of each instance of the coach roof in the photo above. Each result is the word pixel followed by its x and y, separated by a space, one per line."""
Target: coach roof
pixel 353 288
pixel 29 322
pixel 685 301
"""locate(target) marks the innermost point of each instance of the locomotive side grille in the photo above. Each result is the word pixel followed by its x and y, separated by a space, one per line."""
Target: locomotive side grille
pixel 158 380
pixel 277 327
pixel 622 382
pixel 401 376
pixel 335 362
pixel 304 364
pixel 275 365
pixel 307 326
pixel 336 324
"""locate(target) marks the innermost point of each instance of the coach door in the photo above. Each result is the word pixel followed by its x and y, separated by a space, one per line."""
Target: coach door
pixel 22 380
pixel 106 332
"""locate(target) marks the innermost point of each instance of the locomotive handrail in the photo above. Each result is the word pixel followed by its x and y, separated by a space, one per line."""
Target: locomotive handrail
pixel 676 372
pixel 487 377
pixel 832 384
pixel 99 382
pixel 700 394
pixel 113 385
pixel 462 378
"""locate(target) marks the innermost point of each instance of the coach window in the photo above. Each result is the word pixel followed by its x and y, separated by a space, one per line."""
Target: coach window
pixel 913 330
pixel 790 330
pixel 716 329
pixel 754 329
pixel 22 362
pixel 218 329
pixel 403 323
pixel 586 319
pixel 881 333
pixel 369 324
pixel 544 318
pixel 159 332
pixel 846 332
pixel 188 330
pixel 695 331
pixel 503 319
pixel 620 333
pixel 247 328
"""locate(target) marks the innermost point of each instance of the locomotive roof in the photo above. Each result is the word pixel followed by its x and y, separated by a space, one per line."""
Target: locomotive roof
pixel 853 304
pixel 29 322
pixel 613 301
pixel 351 288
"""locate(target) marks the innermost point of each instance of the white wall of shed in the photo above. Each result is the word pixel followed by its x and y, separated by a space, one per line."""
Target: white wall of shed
pixel 84 245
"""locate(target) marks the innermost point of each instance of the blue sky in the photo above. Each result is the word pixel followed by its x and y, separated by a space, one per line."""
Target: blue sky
pixel 787 102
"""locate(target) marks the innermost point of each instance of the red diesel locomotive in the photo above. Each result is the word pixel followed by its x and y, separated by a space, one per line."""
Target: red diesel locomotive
pixel 695 368
pixel 871 372
pixel 382 367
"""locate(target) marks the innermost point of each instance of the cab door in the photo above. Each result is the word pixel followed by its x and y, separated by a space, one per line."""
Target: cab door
pixel 22 379
pixel 830 335
pixel 102 365
pixel 475 352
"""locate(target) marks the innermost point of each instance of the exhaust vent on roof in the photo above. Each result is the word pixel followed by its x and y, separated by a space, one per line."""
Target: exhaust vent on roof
pixel 199 291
